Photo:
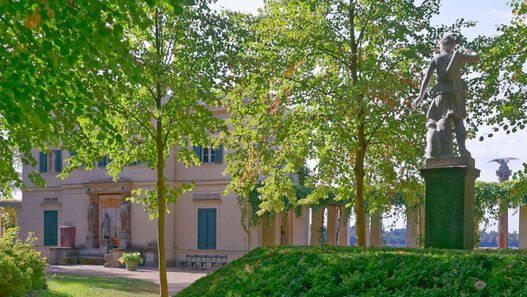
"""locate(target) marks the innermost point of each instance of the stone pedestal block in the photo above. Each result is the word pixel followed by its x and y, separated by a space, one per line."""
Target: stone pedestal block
pixel 91 241
pixel 449 202
pixel 106 246
pixel 125 241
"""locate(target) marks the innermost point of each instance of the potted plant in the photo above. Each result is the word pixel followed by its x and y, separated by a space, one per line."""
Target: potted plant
pixel 131 260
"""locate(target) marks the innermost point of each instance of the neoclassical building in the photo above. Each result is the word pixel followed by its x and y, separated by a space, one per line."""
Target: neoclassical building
pixel 87 211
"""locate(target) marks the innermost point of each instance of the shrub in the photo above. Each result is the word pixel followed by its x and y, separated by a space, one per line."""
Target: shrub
pixel 21 268
pixel 352 271
pixel 133 257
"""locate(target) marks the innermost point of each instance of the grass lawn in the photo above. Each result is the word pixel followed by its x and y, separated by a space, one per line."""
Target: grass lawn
pixel 62 286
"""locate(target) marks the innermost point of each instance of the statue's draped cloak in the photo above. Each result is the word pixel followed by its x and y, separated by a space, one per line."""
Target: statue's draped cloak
pixel 449 92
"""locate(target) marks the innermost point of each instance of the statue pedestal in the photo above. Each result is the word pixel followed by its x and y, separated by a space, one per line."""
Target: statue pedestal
pixel 91 241
pixel 125 241
pixel 106 246
pixel 449 202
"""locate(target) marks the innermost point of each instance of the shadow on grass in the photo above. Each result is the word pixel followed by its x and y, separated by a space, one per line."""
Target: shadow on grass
pixel 69 285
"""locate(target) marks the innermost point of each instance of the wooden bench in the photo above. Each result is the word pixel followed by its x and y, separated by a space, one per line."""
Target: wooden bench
pixel 194 260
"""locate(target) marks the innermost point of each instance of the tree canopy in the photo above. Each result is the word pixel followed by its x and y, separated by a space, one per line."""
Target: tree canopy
pixel 330 83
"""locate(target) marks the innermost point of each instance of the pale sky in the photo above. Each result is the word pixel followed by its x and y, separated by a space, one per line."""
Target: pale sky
pixel 488 14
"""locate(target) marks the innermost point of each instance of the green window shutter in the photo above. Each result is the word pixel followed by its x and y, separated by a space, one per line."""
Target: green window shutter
pixel 211 229
pixel 50 227
pixel 103 162
pixel 58 161
pixel 43 162
pixel 219 154
pixel 198 149
pixel 202 228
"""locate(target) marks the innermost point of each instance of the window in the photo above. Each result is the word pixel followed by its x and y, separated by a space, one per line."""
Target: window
pixel 105 161
pixel 207 228
pixel 51 227
pixel 50 161
pixel 207 154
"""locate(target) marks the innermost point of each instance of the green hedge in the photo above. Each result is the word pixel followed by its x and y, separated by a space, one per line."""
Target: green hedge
pixel 351 271
pixel 21 268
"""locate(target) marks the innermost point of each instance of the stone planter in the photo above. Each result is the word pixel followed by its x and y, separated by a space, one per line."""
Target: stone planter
pixel 131 266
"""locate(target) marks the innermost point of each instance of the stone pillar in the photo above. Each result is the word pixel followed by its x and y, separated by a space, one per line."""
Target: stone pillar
pixel 449 202
pixel 412 227
pixel 367 232
pixel 92 217
pixel 317 218
pixel 376 230
pixel 344 229
pixel 300 227
pixel 523 228
pixel 331 226
pixel 287 229
pixel 271 230
pixel 125 212
pixel 503 228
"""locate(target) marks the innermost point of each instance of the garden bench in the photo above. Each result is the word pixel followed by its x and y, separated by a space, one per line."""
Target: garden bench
pixel 204 260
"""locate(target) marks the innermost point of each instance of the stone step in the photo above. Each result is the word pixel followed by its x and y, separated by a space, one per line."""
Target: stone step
pixel 85 260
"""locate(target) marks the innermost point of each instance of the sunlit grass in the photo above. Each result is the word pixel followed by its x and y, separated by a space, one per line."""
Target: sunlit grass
pixel 62 286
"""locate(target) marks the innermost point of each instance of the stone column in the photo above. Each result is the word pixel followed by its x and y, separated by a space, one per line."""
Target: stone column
pixel 412 227
pixel 331 226
pixel 317 217
pixel 344 229
pixel 376 230
pixel 503 228
pixel 300 228
pixel 271 230
pixel 92 217
pixel 523 228
pixel 287 229
pixel 449 202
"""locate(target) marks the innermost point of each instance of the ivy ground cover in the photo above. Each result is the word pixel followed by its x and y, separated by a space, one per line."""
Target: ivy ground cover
pixel 352 271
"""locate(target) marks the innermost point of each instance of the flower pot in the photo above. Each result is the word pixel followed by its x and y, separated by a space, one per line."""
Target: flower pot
pixel 131 266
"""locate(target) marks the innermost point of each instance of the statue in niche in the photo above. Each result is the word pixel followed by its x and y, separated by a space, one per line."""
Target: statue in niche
pixel 448 103
pixel 92 218
pixel 106 228
pixel 125 216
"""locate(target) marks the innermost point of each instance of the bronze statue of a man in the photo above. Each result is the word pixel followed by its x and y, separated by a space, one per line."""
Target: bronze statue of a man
pixel 448 103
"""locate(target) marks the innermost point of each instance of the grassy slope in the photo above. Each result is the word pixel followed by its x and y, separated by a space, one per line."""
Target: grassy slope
pixel 351 271
pixel 62 286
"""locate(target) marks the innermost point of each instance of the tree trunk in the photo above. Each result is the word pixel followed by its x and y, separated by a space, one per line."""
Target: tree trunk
pixel 359 188
pixel 163 287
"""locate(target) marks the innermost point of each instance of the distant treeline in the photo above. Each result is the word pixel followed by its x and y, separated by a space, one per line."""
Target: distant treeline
pixel 397 237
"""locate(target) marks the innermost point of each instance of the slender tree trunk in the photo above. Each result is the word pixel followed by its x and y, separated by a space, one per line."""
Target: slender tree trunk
pixel 163 287
pixel 359 188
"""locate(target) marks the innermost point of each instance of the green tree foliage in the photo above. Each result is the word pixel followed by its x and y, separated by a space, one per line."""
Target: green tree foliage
pixel 50 51
pixel 330 82
pixel 501 88
pixel 132 80
pixel 22 268
pixel 491 198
